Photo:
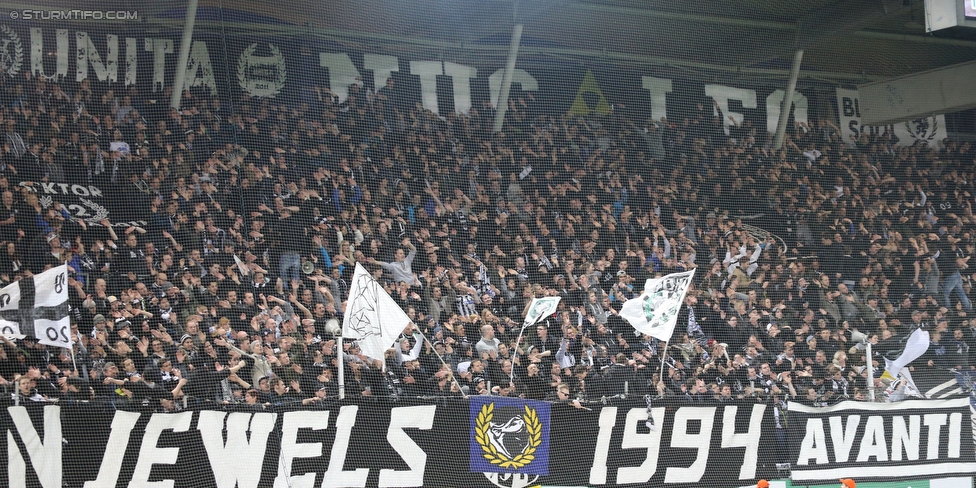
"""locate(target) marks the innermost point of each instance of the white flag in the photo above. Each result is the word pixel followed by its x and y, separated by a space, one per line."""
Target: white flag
pixel 372 317
pixel 540 309
pixel 52 325
pixel 10 311
pixel 241 265
pixel 916 345
pixel 655 312
pixel 51 287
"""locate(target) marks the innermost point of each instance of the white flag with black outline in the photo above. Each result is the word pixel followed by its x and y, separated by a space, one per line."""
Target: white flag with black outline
pixel 10 314
pixel 52 325
pixel 372 318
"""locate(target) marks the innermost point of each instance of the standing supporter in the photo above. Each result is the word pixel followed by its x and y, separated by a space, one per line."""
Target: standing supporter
pixel 585 208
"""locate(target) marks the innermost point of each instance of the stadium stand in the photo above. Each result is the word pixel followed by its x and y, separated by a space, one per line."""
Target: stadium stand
pixel 211 249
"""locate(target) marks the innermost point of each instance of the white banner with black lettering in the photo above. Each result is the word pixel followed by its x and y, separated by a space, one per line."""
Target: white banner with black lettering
pixel 38 307
pixel 915 438
pixel 10 311
pixel 930 130
pixel 51 322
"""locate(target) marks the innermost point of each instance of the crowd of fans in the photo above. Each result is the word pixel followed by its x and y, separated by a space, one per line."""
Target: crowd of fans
pixel 253 214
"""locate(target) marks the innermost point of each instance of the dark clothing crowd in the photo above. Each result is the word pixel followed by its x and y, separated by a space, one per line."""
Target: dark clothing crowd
pixel 221 271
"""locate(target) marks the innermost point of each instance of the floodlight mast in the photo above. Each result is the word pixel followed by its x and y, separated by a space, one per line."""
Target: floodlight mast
pixel 180 79
pixel 513 49
pixel 784 112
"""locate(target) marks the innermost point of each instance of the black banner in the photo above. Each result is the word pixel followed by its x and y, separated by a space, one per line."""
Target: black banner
pixel 484 442
pixel 388 444
pixel 910 439
pixel 286 68
pixel 89 202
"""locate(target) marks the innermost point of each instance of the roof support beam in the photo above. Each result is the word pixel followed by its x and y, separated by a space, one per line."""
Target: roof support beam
pixel 691 18
pixel 858 15
pixel 824 25
pixel 939 41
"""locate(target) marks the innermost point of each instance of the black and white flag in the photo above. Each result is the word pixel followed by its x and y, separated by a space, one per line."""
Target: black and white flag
pixel 10 314
pixel 38 307
pixel 372 317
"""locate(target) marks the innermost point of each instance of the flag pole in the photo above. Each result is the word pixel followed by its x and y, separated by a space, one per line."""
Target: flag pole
pixel 340 352
pixel 342 369
pixel 515 354
pixel 664 357
pixel 73 363
pixel 432 348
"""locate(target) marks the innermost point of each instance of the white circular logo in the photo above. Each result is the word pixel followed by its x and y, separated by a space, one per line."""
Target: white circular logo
pixel 261 76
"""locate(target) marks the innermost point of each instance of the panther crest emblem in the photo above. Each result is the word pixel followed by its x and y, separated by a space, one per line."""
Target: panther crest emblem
pixel 512 441
pixel 509 438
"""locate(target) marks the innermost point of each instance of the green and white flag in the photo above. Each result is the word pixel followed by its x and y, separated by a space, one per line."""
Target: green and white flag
pixel 655 312
pixel 540 309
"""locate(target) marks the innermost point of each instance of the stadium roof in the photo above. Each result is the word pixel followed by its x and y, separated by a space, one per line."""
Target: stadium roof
pixel 844 40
